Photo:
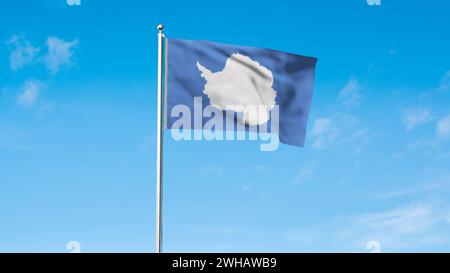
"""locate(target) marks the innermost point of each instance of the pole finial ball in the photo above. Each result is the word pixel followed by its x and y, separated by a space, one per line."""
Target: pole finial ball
pixel 160 27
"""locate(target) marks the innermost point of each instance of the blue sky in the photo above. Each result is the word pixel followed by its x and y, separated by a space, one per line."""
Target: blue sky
pixel 77 130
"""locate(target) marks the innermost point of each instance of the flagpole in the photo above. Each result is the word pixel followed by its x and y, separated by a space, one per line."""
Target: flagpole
pixel 159 144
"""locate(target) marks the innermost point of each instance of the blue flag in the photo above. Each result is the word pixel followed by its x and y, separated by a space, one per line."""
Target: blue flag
pixel 250 86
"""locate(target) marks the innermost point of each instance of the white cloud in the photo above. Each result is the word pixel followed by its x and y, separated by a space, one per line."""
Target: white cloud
pixel 445 82
pixel 22 54
pixel 339 129
pixel 321 126
pixel 437 184
pixel 322 132
pixel 59 53
pixel 304 174
pixel 417 224
pixel 354 143
pixel 413 117
pixel 443 127
pixel 404 220
pixel 411 190
pixel 29 95
pixel 73 2
pixel 349 94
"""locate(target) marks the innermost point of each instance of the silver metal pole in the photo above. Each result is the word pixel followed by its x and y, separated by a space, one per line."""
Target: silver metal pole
pixel 159 144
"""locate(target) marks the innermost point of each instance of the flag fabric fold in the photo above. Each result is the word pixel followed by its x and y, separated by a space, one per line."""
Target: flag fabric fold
pixel 230 78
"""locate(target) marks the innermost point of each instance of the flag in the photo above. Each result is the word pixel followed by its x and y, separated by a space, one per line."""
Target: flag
pixel 250 86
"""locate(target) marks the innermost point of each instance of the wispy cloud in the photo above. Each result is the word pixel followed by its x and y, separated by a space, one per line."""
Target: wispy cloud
pixel 322 132
pixel 341 131
pixel 422 224
pixel 413 117
pixel 437 184
pixel 403 220
pixel 443 127
pixel 29 95
pixel 415 224
pixel 444 85
pixel 305 173
pixel 60 53
pixel 22 53
pixel 410 191
pixel 73 2
pixel 354 143
pixel 350 93
pixel 435 144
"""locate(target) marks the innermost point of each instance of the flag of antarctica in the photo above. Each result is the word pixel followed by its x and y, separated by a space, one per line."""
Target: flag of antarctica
pixel 238 88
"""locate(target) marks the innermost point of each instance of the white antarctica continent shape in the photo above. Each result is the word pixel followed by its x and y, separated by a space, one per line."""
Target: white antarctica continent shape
pixel 242 86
